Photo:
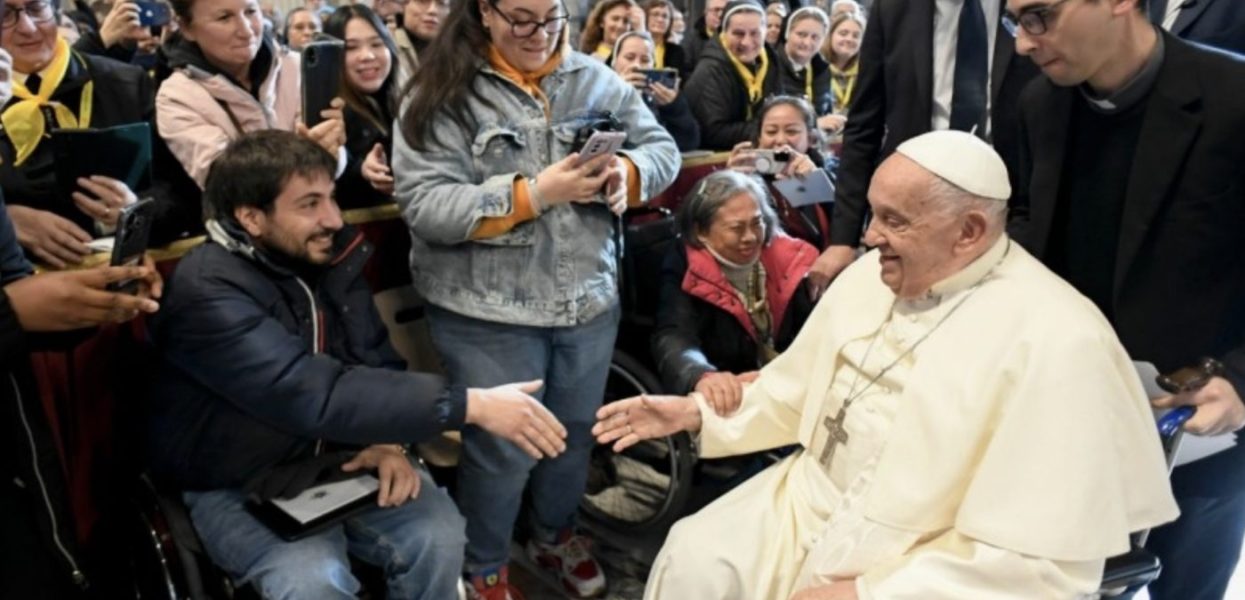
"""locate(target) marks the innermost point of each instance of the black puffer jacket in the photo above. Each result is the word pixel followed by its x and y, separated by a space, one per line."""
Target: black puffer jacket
pixel 720 101
pixel 123 94
pixel 258 366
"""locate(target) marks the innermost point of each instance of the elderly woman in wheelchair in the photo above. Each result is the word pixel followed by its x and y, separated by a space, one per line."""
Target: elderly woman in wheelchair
pixel 732 295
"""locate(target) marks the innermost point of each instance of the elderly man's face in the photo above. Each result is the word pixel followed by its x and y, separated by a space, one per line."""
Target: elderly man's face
pixel 919 239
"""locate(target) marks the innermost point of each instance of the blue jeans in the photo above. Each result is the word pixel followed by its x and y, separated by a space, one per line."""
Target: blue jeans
pixel 492 473
pixel 419 545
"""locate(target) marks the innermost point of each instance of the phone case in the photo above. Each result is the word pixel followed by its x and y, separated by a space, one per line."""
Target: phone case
pixel 322 66
pixel 601 142
pixel 133 232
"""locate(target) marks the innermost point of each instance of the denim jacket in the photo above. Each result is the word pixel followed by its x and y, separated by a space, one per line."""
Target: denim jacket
pixel 558 269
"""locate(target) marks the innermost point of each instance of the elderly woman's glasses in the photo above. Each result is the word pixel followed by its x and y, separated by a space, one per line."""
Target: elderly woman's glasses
pixel 38 12
pixel 1034 21
pixel 527 29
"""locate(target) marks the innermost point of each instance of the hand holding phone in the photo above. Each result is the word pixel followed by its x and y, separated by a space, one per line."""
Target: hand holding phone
pixel 601 142
pixel 322 69
pixel 153 14
pixel 666 77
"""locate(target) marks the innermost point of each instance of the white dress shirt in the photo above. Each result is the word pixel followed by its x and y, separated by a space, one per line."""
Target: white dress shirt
pixel 946 36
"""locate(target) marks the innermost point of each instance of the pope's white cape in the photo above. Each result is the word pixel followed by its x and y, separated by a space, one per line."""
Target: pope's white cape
pixel 1023 424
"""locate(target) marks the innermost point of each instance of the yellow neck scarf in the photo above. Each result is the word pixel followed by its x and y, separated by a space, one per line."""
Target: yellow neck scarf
pixel 753 83
pixel 843 82
pixel 24 121
pixel 528 82
pixel 603 51
pixel 660 51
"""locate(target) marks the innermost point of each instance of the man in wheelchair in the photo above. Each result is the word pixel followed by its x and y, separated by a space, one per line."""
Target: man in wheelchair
pixel 971 426
pixel 278 374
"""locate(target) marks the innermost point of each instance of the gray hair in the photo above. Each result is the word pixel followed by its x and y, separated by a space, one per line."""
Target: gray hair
pixel 699 209
pixel 953 201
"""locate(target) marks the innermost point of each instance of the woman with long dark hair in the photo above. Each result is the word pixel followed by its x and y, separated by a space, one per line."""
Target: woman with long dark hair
pixel 370 88
pixel 514 248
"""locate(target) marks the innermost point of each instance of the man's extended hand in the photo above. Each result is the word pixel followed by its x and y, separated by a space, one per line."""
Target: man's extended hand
pixel 839 590
pixel 1219 408
pixel 509 411
pixel 65 300
pixel 399 481
pixel 632 420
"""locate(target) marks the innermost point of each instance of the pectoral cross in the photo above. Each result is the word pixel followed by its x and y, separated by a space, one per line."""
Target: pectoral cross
pixel 836 434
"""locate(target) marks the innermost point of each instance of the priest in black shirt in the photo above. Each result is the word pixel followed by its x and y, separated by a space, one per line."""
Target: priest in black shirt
pixel 1133 189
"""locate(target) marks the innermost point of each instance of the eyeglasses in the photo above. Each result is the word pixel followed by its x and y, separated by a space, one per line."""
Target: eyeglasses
pixel 1034 21
pixel 527 29
pixel 38 12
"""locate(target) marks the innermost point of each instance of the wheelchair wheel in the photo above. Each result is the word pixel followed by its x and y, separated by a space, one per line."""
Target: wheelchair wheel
pixel 646 487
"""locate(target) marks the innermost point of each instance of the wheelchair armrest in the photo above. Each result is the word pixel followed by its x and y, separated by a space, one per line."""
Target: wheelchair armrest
pixel 1130 571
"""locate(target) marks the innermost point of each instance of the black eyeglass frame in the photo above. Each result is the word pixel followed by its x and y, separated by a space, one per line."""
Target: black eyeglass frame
pixel 9 15
pixel 559 22
pixel 1034 21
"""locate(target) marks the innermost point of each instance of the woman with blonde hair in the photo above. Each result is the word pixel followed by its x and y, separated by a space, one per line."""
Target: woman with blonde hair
pixel 608 20
pixel 842 50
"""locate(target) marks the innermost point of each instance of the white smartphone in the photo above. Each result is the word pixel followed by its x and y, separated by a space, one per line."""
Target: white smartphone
pixel 601 142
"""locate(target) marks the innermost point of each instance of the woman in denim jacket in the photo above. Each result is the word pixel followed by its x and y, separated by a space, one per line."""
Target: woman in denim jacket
pixel 514 247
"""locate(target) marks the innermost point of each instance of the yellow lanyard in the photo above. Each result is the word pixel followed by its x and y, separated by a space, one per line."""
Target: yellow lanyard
pixel 24 121
pixel 660 51
pixel 808 85
pixel 754 84
pixel 843 93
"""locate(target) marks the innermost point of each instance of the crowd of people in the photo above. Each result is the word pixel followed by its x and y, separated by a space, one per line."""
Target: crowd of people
pixel 1024 195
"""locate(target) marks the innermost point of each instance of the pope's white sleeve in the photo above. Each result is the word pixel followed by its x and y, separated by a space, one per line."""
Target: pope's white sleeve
pixel 954 566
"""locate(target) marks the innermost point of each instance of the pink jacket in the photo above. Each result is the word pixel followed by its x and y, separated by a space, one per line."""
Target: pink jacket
pixel 192 119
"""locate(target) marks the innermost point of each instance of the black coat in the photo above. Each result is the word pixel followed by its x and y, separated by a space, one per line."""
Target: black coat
pixel 242 389
pixel 353 191
pixel 1179 282
pixel 1218 23
pixel 679 121
pixel 123 94
pixel 796 84
pixel 720 101
pixel 694 41
pixel 694 336
pixel 38 541
pixel 676 59
pixel 893 102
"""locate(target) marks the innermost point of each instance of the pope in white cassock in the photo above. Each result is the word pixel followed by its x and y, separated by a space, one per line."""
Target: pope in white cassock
pixel 971 426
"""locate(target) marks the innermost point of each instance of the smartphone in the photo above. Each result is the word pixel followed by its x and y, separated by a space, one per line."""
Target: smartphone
pixel 322 67
pixel 153 14
pixel 130 243
pixel 771 162
pixel 666 77
pixel 601 142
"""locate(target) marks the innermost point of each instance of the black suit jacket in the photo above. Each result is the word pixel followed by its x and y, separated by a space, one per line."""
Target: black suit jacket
pixel 894 101
pixel 1179 284
pixel 1218 23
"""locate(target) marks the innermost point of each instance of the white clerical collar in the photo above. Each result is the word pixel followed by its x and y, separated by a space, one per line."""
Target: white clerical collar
pixel 973 273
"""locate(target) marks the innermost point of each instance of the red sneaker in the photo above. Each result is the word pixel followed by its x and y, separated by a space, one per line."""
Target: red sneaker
pixel 571 561
pixel 493 586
